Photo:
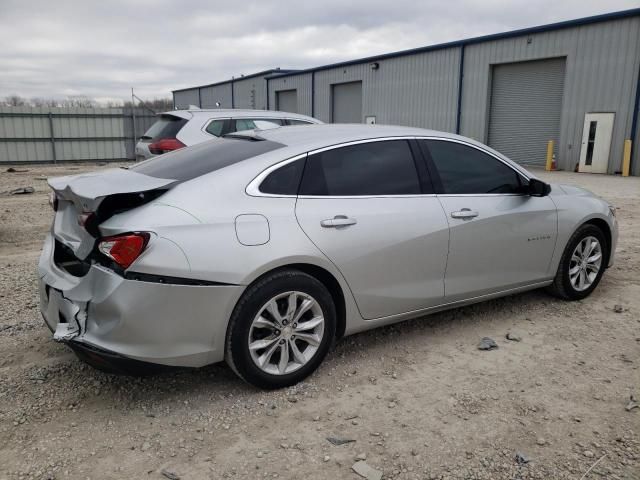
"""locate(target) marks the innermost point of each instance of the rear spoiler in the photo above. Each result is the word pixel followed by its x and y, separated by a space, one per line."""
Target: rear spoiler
pixel 88 190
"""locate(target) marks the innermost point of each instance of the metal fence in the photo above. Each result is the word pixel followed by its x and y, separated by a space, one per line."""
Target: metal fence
pixel 50 135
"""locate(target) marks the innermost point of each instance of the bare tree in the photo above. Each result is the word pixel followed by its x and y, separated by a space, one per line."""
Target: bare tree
pixel 15 101
pixel 78 101
pixel 161 104
pixel 154 105
pixel 44 102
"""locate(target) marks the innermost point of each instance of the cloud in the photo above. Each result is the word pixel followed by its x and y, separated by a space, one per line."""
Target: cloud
pixel 102 49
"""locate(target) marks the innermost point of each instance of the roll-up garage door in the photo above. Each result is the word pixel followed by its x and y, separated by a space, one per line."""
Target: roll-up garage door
pixel 287 101
pixel 346 102
pixel 526 102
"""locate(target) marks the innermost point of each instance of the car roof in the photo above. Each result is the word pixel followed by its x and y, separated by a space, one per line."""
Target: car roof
pixel 309 137
pixel 236 112
pixel 306 138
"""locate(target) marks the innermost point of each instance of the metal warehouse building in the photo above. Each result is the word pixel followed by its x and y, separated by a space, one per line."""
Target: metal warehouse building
pixel 575 82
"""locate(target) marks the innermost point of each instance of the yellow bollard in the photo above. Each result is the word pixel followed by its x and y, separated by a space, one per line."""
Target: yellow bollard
pixel 626 158
pixel 549 166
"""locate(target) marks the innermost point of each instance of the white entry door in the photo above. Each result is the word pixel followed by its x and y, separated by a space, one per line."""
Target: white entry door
pixel 596 142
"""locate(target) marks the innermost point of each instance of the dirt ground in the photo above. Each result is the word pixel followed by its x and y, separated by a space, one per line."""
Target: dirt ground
pixel 419 399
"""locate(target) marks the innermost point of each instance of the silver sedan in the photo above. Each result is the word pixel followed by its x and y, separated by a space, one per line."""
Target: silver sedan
pixel 265 247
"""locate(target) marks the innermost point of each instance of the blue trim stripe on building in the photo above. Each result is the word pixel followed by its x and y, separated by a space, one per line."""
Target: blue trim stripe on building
pixel 313 93
pixel 232 100
pixel 460 75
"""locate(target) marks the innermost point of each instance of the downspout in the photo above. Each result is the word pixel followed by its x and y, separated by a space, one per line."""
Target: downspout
pixel 267 79
pixel 199 98
pixel 634 122
pixel 460 75
pixel 313 93
pixel 232 102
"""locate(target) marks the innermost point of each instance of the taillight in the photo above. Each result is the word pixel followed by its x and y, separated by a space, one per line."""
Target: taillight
pixel 165 145
pixel 124 249
pixel 53 201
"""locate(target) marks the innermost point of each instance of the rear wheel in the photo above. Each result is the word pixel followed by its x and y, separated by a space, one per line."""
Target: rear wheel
pixel 281 329
pixel 582 265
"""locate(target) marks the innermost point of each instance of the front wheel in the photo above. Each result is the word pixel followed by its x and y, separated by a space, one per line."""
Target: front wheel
pixel 582 264
pixel 281 329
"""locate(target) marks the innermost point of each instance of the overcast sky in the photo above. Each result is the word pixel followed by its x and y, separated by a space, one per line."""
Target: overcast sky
pixel 58 48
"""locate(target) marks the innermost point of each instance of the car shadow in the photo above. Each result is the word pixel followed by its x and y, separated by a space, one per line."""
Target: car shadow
pixel 218 380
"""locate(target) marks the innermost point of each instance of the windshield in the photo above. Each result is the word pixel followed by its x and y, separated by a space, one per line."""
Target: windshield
pixel 192 162
pixel 167 126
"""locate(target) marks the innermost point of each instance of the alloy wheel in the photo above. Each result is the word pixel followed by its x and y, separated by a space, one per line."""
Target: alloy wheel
pixel 286 333
pixel 585 263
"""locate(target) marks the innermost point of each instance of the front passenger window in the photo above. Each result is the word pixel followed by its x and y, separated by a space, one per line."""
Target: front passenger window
pixel 467 170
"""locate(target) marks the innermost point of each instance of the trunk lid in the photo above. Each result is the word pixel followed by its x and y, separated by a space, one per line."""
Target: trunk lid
pixel 85 193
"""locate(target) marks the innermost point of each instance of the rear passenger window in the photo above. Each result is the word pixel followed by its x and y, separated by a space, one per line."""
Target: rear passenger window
pixel 375 168
pixel 285 180
pixel 215 127
pixel 467 170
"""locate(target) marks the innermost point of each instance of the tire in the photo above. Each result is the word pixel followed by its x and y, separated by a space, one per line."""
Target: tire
pixel 562 285
pixel 247 326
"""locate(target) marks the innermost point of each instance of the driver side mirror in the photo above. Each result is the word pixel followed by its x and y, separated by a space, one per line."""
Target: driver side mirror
pixel 537 188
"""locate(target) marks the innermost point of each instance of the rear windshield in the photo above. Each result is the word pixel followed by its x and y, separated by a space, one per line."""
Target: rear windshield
pixel 167 126
pixel 188 163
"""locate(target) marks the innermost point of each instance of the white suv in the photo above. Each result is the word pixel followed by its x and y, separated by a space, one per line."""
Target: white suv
pixel 183 128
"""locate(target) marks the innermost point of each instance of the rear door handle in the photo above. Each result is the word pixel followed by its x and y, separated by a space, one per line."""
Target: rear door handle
pixel 465 214
pixel 338 221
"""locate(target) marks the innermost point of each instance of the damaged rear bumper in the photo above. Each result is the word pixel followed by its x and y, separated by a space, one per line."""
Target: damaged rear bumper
pixel 111 362
pixel 103 314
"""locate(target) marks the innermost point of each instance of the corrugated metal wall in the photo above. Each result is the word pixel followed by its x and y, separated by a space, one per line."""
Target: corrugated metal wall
pixel 601 69
pixel 78 133
pixel 218 93
pixel 416 90
pixel 184 98
pixel 302 84
pixel 250 93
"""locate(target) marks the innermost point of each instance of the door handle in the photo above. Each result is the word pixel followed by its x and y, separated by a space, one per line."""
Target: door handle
pixel 338 221
pixel 465 214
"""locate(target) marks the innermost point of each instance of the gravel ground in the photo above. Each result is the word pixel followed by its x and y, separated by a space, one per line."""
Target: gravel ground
pixel 419 399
